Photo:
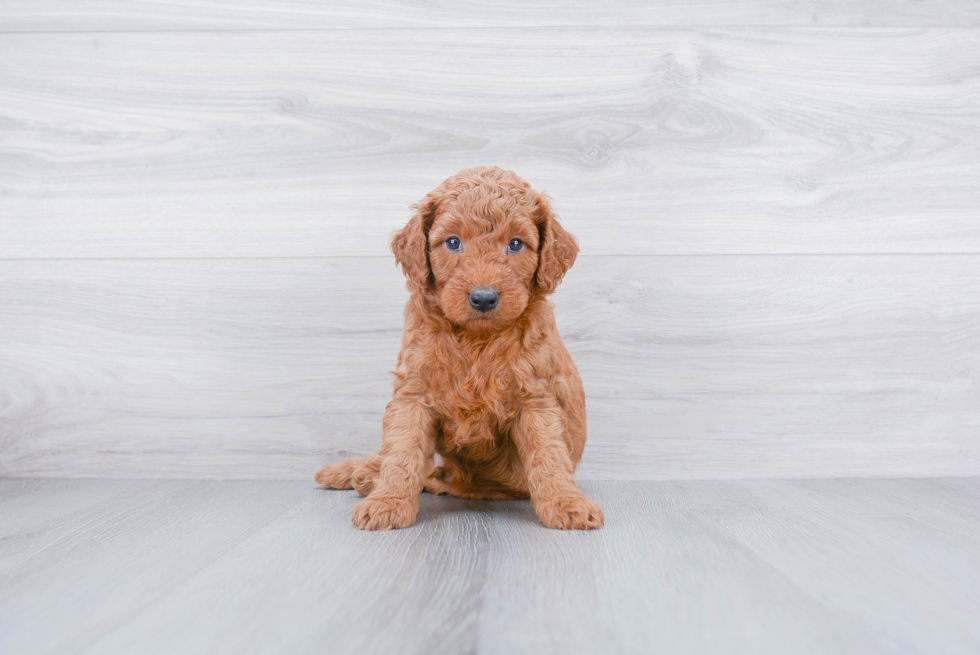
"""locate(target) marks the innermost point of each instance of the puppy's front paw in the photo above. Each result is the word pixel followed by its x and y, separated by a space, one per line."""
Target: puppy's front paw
pixel 385 513
pixel 574 512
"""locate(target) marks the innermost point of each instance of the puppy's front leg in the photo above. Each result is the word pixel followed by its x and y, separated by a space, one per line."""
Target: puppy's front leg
pixel 408 441
pixel 558 502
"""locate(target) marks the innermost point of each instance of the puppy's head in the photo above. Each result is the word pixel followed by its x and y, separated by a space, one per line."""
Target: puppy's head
pixel 482 245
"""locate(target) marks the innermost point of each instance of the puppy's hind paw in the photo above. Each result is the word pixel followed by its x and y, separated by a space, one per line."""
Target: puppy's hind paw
pixel 385 513
pixel 336 476
pixel 576 512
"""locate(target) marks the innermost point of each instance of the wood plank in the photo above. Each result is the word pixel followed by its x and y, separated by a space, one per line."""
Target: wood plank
pixel 652 141
pixel 814 566
pixel 964 493
pixel 659 572
pixel 694 367
pixel 67 583
pixel 26 504
pixel 157 15
pixel 316 584
pixel 875 554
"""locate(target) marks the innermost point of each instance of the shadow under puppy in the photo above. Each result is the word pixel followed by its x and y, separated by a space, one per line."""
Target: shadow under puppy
pixel 487 403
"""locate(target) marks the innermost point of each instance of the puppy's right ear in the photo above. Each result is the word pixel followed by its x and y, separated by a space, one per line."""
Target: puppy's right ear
pixel 411 244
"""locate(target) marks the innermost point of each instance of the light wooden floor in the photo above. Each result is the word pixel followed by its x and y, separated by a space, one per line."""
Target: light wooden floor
pixel 830 566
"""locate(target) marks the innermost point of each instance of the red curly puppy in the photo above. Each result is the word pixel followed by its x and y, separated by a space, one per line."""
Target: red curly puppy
pixel 483 379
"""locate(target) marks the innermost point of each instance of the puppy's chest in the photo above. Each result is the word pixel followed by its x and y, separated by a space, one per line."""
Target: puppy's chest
pixel 476 400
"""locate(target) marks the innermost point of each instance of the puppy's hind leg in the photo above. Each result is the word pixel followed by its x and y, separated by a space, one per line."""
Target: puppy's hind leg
pixel 358 473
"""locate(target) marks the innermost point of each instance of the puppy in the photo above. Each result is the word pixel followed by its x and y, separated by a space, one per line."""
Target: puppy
pixel 487 402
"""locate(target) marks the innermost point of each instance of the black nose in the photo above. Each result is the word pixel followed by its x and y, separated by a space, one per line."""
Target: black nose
pixel 484 298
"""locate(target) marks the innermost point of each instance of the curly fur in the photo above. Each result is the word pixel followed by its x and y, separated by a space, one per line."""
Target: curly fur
pixel 486 405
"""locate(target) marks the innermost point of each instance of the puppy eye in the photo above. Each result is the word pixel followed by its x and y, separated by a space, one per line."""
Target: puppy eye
pixel 515 245
pixel 453 243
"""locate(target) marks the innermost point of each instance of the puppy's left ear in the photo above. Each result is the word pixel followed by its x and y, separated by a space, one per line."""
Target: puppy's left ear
pixel 557 249
pixel 411 243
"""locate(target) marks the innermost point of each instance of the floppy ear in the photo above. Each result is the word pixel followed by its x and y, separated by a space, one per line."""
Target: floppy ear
pixel 411 244
pixel 557 249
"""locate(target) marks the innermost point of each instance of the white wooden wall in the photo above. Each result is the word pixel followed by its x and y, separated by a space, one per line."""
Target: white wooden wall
pixel 778 205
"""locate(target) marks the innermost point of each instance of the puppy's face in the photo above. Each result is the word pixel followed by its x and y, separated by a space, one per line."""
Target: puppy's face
pixel 481 246
pixel 483 266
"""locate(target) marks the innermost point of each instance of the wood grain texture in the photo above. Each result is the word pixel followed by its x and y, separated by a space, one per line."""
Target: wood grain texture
pixel 694 367
pixel 157 15
pixel 660 575
pixel 338 589
pixel 886 530
pixel 652 141
pixel 27 504
pixel 842 566
pixel 66 580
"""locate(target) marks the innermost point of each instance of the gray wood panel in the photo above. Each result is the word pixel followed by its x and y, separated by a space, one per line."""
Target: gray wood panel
pixel 694 367
pixel 26 504
pixel 857 566
pixel 886 528
pixel 659 576
pixel 157 15
pixel 66 581
pixel 652 141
